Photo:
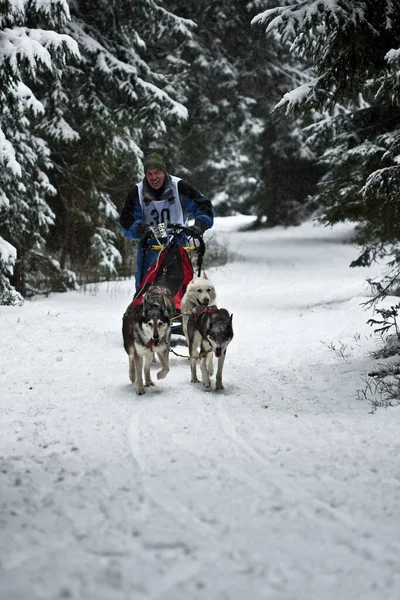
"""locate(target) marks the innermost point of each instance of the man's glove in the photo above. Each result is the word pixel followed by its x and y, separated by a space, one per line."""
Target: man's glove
pixel 144 230
pixel 198 228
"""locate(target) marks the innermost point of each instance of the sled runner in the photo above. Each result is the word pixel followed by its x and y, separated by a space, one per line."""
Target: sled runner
pixel 173 269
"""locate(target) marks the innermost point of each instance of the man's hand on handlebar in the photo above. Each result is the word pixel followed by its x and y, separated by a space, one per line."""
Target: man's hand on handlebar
pixel 145 232
pixel 196 230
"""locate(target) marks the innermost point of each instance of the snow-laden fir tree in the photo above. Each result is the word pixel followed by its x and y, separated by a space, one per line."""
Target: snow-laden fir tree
pixel 25 53
pixel 355 50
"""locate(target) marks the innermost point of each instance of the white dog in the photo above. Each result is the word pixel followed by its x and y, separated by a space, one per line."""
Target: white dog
pixel 199 292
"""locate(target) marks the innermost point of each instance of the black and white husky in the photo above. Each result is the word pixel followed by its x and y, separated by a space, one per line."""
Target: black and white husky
pixel 146 331
pixel 209 332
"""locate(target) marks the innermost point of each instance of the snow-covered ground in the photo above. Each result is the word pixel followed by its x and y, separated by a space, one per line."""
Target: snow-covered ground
pixel 282 487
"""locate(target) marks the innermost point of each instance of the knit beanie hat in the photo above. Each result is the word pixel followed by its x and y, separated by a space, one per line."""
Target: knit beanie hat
pixel 154 161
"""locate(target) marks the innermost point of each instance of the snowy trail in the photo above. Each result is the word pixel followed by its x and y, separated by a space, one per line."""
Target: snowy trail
pixel 282 507
pixel 281 487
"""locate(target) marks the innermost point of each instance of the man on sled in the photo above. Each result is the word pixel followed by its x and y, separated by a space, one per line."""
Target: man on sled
pixel 161 198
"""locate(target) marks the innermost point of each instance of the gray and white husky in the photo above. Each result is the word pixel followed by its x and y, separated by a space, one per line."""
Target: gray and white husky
pixel 146 331
pixel 209 331
pixel 199 292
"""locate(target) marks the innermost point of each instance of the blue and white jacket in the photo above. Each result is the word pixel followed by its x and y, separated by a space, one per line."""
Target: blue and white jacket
pixel 174 203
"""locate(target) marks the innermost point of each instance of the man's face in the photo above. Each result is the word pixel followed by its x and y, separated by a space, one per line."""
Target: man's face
pixel 155 177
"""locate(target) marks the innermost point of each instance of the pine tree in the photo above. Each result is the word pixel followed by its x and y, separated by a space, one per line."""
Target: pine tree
pixel 354 48
pixel 26 51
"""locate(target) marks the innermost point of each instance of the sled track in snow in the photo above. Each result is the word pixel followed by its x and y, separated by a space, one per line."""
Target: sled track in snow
pixel 196 542
pixel 170 502
pixel 153 434
pixel 311 508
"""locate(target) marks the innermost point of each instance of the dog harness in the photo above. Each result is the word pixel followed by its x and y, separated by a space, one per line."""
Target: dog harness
pixel 159 291
pixel 200 310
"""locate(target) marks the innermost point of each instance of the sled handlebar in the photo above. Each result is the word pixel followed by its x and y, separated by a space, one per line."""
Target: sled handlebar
pixel 190 233
pixel 172 233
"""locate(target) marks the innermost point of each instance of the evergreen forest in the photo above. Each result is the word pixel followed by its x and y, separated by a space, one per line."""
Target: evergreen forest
pixel 279 109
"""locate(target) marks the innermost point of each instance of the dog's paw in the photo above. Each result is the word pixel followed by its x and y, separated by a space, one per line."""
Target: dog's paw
pixel 207 387
pixel 219 386
pixel 150 383
pixel 140 392
pixel 162 374
pixel 194 380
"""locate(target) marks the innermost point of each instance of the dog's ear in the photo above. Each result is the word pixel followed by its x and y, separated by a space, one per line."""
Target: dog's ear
pixel 164 304
pixel 168 305
pixel 205 275
pixel 146 305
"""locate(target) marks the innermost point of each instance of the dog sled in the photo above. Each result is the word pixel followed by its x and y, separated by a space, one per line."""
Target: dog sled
pixel 179 247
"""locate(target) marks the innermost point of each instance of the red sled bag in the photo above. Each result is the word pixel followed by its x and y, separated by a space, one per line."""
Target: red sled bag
pixel 172 270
